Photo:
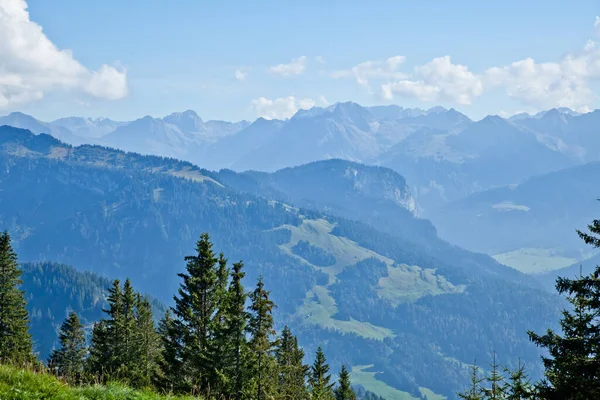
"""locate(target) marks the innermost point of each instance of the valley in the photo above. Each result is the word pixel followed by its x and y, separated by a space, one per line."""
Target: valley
pixel 137 215
pixel 328 232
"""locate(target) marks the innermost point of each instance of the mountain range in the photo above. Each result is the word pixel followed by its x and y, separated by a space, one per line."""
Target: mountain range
pixel 323 235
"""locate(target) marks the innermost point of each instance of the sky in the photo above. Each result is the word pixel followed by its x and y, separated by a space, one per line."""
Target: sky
pixel 234 60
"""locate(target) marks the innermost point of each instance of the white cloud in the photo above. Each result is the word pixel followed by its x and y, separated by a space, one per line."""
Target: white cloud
pixel 281 108
pixel 370 70
pixel 323 101
pixel 296 67
pixel 320 59
pixel 565 83
pixel 31 65
pixel 437 80
pixel 241 74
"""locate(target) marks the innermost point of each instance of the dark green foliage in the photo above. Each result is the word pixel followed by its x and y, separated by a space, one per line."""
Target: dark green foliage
pixel 362 394
pixel 69 360
pixel 344 390
pixel 321 387
pixel 263 365
pixel 292 372
pixel 54 290
pixel 475 390
pixel 572 367
pixel 15 340
pixel 124 345
pixel 313 254
pixel 169 376
pixel 235 346
pixel 519 386
pixel 495 385
pixel 196 308
pixel 146 351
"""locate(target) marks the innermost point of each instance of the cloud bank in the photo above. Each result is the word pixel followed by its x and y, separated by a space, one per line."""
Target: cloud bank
pixel 31 65
pixel 562 83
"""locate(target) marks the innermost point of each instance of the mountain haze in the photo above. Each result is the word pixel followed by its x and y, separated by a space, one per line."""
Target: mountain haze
pixel 137 216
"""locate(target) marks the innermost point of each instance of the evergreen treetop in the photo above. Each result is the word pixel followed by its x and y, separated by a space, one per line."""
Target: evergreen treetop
pixel 15 340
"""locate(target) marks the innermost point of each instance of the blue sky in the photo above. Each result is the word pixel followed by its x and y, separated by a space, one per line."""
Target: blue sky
pixel 238 60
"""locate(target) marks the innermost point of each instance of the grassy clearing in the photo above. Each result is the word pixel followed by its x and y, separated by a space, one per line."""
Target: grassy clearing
pixel 536 260
pixel 360 375
pixel 20 384
pixel 404 283
pixel 407 283
pixel 318 233
pixel 319 308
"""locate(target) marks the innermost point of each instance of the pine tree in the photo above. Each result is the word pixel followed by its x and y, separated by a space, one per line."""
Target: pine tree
pixel 344 390
pixel 169 376
pixel 292 371
pixel 100 352
pixel 572 369
pixel 320 386
pixel 15 340
pixel 147 343
pixel 114 330
pixel 475 391
pixel 495 380
pixel 519 386
pixel 235 346
pixel 196 307
pixel 69 360
pixel 127 349
pixel 219 344
pixel 260 326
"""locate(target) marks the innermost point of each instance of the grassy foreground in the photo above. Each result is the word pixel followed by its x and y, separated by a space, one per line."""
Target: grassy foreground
pixel 21 384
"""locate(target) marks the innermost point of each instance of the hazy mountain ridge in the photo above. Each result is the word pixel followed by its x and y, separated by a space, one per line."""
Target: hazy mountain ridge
pixel 545 211
pixel 443 154
pixel 131 215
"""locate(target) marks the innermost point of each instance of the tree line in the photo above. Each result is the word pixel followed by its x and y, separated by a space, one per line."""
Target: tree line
pixel 217 341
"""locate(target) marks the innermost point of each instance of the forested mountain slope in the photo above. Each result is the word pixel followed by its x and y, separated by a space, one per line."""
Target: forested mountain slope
pixel 54 290
pixel 122 215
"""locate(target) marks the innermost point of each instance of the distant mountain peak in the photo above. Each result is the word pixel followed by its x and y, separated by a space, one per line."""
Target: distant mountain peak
pixel 187 120
pixel 437 110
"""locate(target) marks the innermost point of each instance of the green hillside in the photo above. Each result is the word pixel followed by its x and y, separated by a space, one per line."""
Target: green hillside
pixel 22 384
pixel 125 215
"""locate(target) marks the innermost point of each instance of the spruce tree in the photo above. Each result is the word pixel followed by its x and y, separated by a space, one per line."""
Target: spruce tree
pixel 196 309
pixel 233 335
pixel 518 386
pixel 320 381
pixel 100 352
pixel 147 343
pixel 292 371
pixel 495 381
pixel 127 349
pixel 475 391
pixel 344 390
pixel 169 376
pixel 219 343
pixel 572 369
pixel 263 365
pixel 15 340
pixel 69 359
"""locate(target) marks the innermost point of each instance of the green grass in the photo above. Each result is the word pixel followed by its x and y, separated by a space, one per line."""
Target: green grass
pixel 319 308
pixel 536 260
pixel 406 283
pixel 21 384
pixel 360 375
pixel 403 284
